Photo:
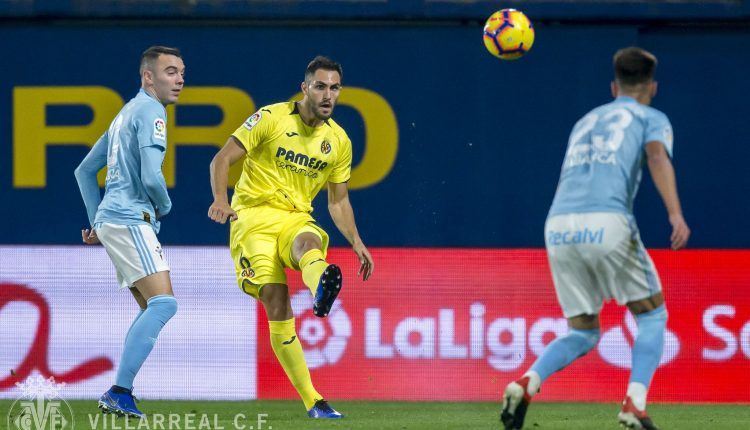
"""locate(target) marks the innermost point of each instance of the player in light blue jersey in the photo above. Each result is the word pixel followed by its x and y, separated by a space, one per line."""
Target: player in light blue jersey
pixel 126 220
pixel 593 245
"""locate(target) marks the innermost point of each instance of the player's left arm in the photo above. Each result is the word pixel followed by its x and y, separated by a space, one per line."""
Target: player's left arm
pixel 152 178
pixel 151 128
pixel 342 214
pixel 659 141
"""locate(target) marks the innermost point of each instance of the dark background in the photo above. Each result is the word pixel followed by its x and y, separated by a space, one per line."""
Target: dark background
pixel 481 140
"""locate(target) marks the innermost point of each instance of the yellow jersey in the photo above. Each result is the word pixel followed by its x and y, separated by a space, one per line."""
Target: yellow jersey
pixel 287 161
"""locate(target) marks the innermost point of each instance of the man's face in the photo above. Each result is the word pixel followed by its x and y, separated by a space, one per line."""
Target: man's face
pixel 167 78
pixel 322 90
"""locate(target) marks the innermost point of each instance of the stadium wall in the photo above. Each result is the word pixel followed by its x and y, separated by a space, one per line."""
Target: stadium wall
pixel 475 319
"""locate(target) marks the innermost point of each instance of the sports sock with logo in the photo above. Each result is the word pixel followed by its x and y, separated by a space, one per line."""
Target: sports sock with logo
pixel 313 264
pixel 563 351
pixel 288 351
pixel 142 337
pixel 647 351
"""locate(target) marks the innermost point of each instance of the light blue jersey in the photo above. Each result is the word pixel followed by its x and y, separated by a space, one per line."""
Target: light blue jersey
pixel 605 156
pixel 133 150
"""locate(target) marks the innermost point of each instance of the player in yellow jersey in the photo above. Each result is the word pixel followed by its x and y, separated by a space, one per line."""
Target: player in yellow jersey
pixel 290 150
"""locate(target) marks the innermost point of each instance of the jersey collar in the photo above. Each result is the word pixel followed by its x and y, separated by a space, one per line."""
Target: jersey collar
pixel 627 99
pixel 295 111
pixel 145 93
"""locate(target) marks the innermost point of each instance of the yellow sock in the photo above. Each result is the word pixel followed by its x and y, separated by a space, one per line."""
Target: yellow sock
pixel 313 264
pixel 288 351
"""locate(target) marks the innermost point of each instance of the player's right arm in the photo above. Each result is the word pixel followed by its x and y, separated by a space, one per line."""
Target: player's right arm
pixel 232 152
pixel 252 133
pixel 85 175
pixel 662 173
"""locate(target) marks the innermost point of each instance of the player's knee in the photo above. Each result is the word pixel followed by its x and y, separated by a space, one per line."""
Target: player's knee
pixel 165 306
pixel 278 311
pixel 646 305
pixel 305 242
pixel 584 322
pixel 303 248
pixel 171 306
pixel 277 306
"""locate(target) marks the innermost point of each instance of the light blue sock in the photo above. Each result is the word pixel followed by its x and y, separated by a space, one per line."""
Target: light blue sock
pixel 564 350
pixel 127 335
pixel 135 320
pixel 649 345
pixel 142 336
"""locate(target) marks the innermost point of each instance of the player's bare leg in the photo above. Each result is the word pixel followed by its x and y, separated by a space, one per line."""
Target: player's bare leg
pixel 651 316
pixel 138 298
pixel 582 337
pixel 276 302
pixel 156 284
pixel 324 280
pixel 646 305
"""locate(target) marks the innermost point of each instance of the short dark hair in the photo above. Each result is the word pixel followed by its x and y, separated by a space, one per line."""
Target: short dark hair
pixel 325 63
pixel 149 56
pixel 634 66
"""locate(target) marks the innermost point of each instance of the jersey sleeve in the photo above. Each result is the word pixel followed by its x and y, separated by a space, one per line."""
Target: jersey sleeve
pixel 85 175
pixel 660 130
pixel 151 127
pixel 152 179
pixel 342 170
pixel 255 130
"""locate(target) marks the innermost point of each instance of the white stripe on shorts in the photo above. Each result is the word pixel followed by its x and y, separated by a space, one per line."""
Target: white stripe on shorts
pixel 134 250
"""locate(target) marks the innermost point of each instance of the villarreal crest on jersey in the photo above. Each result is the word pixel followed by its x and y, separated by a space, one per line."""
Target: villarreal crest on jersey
pixel 288 162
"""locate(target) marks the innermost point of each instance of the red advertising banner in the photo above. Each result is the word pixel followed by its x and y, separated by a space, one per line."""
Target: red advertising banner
pixel 442 324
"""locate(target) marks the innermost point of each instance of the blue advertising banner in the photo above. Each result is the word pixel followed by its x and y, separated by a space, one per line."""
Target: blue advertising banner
pixel 453 148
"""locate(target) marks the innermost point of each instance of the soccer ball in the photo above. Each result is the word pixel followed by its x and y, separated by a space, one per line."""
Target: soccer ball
pixel 508 34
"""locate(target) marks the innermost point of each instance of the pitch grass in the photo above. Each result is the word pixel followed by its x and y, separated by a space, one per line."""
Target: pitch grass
pixel 289 415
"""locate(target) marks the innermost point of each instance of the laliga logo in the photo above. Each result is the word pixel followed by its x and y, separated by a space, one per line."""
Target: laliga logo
pixel 615 348
pixel 336 327
pixel 40 407
pixel 37 356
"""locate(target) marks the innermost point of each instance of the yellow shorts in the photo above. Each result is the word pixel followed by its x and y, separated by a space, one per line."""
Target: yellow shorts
pixel 260 241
